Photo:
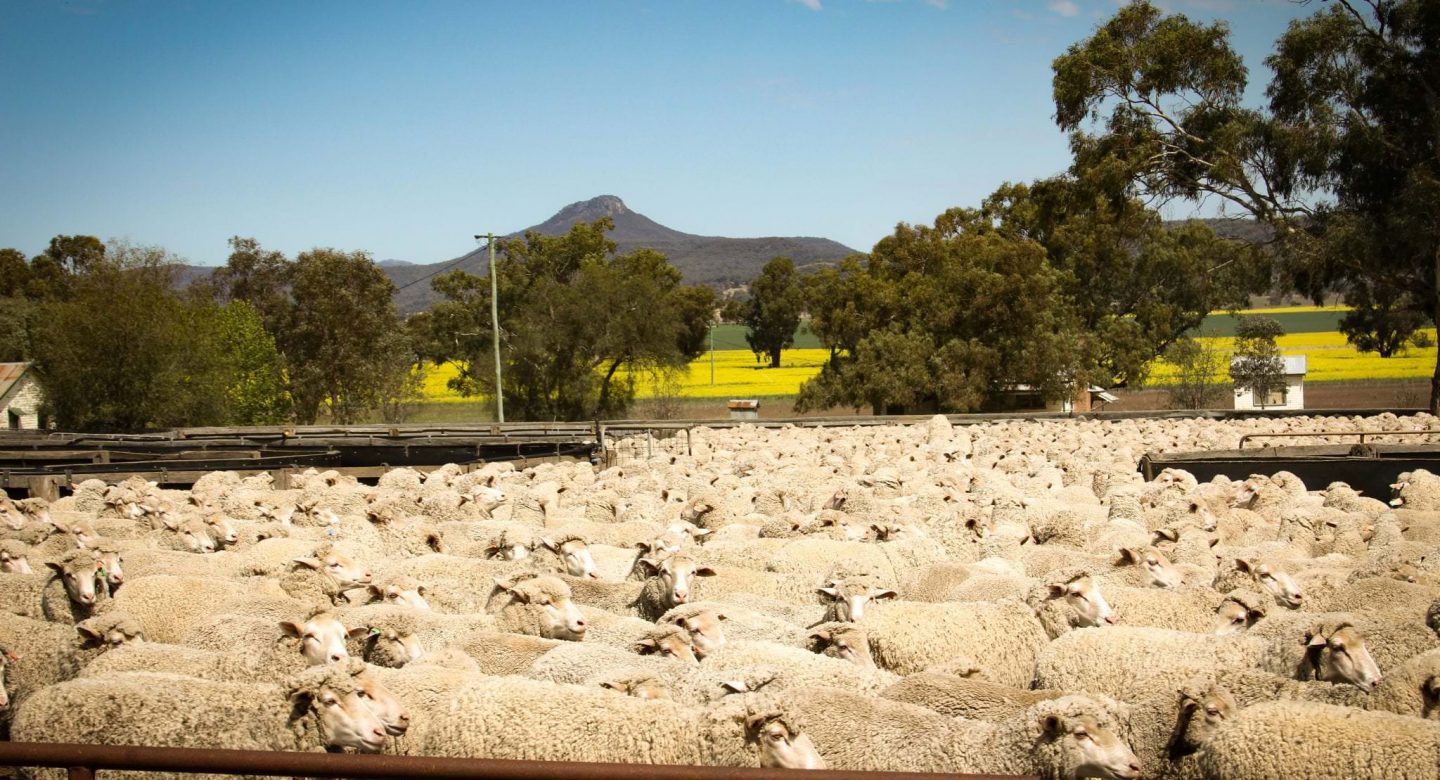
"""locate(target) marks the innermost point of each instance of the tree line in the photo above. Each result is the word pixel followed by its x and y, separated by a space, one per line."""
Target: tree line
pixel 1052 285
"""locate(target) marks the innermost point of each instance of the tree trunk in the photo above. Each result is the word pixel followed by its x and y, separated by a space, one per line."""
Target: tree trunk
pixel 775 357
pixel 605 385
pixel 1435 315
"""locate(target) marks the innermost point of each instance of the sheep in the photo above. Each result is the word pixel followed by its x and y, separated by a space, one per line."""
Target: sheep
pixel 14 557
pixel 537 604
pixel 1114 661
pixel 785 668
pixel 1240 610
pixel 328 707
pixel 1271 575
pixel 69 593
pixel 668 582
pixel 1067 737
pixel 591 663
pixel 1285 738
pixel 402 590
pixel 1327 647
pixel 963 697
pixel 1004 637
pixel 36 654
pixel 480 721
pixel 1070 598
pixel 326 576
pixel 845 597
pixel 845 641
pixel 167 607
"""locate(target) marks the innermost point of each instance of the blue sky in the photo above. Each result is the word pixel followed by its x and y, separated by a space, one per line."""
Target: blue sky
pixel 404 128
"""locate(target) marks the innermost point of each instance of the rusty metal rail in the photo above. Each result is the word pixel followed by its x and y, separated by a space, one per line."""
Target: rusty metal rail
pixel 82 761
pixel 1309 434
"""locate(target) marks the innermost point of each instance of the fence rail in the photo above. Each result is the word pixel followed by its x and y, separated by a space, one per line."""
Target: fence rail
pixel 82 761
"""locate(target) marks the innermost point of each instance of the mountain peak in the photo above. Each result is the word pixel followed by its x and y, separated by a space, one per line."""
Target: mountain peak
pixel 593 209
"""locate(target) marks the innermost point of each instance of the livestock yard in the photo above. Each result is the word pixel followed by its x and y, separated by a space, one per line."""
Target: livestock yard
pixel 1008 596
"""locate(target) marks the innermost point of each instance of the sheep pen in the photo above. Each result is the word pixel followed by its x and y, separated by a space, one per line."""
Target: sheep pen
pixel 1005 595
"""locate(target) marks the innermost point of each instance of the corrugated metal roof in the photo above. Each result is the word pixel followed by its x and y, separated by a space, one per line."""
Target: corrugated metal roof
pixel 9 372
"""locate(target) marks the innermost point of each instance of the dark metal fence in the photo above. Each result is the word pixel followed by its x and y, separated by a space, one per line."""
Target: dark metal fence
pixel 82 761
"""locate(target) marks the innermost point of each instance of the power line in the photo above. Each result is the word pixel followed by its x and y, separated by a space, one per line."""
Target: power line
pixel 438 271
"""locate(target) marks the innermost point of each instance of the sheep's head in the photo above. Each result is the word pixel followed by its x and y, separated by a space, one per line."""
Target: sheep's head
pixel 192 532
pixel 113 629
pixel 402 591
pixel 344 570
pixel 1158 569
pixel 322 637
pixel 550 597
pixel 1239 611
pixel 513 544
pixel 1336 652
pixel 80 573
pixel 10 516
pixel 706 633
pixel 668 640
pixel 1274 579
pixel 675 572
pixel 392 647
pixel 641 686
pixel 81 532
pixel 1081 593
pixel 14 557
pixel 782 746
pixel 351 710
pixel 221 529
pixel 845 641
pixel 845 598
pixel 1203 708
pixel 574 554
pixel 1082 743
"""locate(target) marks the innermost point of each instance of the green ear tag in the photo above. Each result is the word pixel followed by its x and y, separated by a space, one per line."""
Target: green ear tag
pixel 374 631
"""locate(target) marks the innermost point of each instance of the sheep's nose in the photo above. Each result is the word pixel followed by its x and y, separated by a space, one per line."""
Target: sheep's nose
pixel 580 625
pixel 336 657
pixel 1110 620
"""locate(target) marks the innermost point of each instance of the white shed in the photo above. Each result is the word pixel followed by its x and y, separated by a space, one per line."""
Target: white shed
pixel 20 397
pixel 1292 396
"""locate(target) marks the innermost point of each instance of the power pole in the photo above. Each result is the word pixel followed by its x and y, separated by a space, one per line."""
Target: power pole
pixel 495 328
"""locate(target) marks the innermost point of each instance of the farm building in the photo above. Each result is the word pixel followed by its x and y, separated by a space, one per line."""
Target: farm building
pixel 1291 396
pixel 20 397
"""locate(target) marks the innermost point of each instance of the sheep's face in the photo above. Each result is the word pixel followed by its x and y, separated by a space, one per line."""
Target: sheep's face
pixel 15 563
pixel 1233 617
pixel 487 498
pixel 1089 749
pixel 1204 712
pixel 646 688
pixel 1340 656
pixel 1245 493
pixel 676 573
pixel 346 718
pixel 405 594
pixel 1275 580
pixel 195 535
pixel 675 645
pixel 1087 604
pixel 111 567
pixel 558 617
pixel 1160 571
pixel 6 658
pixel 392 648
pixel 706 633
pixel 79 577
pixel 852 645
pixel 109 638
pixel 221 529
pixel 781 749
pixel 346 571
pixel 13 518
pixel 847 598
pixel 696 509
pixel 575 556
pixel 322 638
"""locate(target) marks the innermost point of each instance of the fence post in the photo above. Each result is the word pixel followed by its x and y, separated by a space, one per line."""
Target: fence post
pixel 81 773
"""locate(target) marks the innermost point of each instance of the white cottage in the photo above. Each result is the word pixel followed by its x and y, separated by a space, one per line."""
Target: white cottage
pixel 1291 396
pixel 20 397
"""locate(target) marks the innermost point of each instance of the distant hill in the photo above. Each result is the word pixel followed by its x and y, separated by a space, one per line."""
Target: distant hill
pixel 712 260
pixel 1245 229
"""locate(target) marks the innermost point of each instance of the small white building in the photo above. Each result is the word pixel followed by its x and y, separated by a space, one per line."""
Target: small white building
pixel 20 397
pixel 1291 396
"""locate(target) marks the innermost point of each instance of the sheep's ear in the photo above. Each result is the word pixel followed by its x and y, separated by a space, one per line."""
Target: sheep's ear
pixel 492 551
pixel 58 568
pixel 1255 614
pixel 1244 565
pixel 828 591
pixel 548 543
pixel 88 636
pixel 721 616
pixel 1051 724
pixel 704 571
pixel 822 634
pixel 1431 688
pixel 1214 541
pixel 612 685
pixel 60 525
pixel 292 628
pixel 883 593
pixel 1128 555
pixel 309 563
pixel 423 590
pixel 699 533
pixel 376 590
pixel 650 565
pixel 646 645
pixel 357 632
pixel 1315 637
pixel 755 720
pixel 1057 590
pixel 735 686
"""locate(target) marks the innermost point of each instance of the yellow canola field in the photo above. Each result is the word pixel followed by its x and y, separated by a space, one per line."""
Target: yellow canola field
pixel 738 375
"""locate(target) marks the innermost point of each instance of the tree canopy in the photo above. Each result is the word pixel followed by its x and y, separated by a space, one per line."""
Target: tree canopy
pixel 773 312
pixel 573 313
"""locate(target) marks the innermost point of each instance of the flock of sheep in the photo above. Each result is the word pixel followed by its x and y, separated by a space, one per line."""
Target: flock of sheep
pixel 1007 597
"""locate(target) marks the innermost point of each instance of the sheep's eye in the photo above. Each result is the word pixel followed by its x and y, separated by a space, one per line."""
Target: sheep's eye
pixel 360 694
pixel 1212 711
pixel 544 602
pixel 1265 575
pixel 329 702
pixel 1081 734
pixel 310 638
pixel 1238 620
pixel 842 646
pixel 1152 562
